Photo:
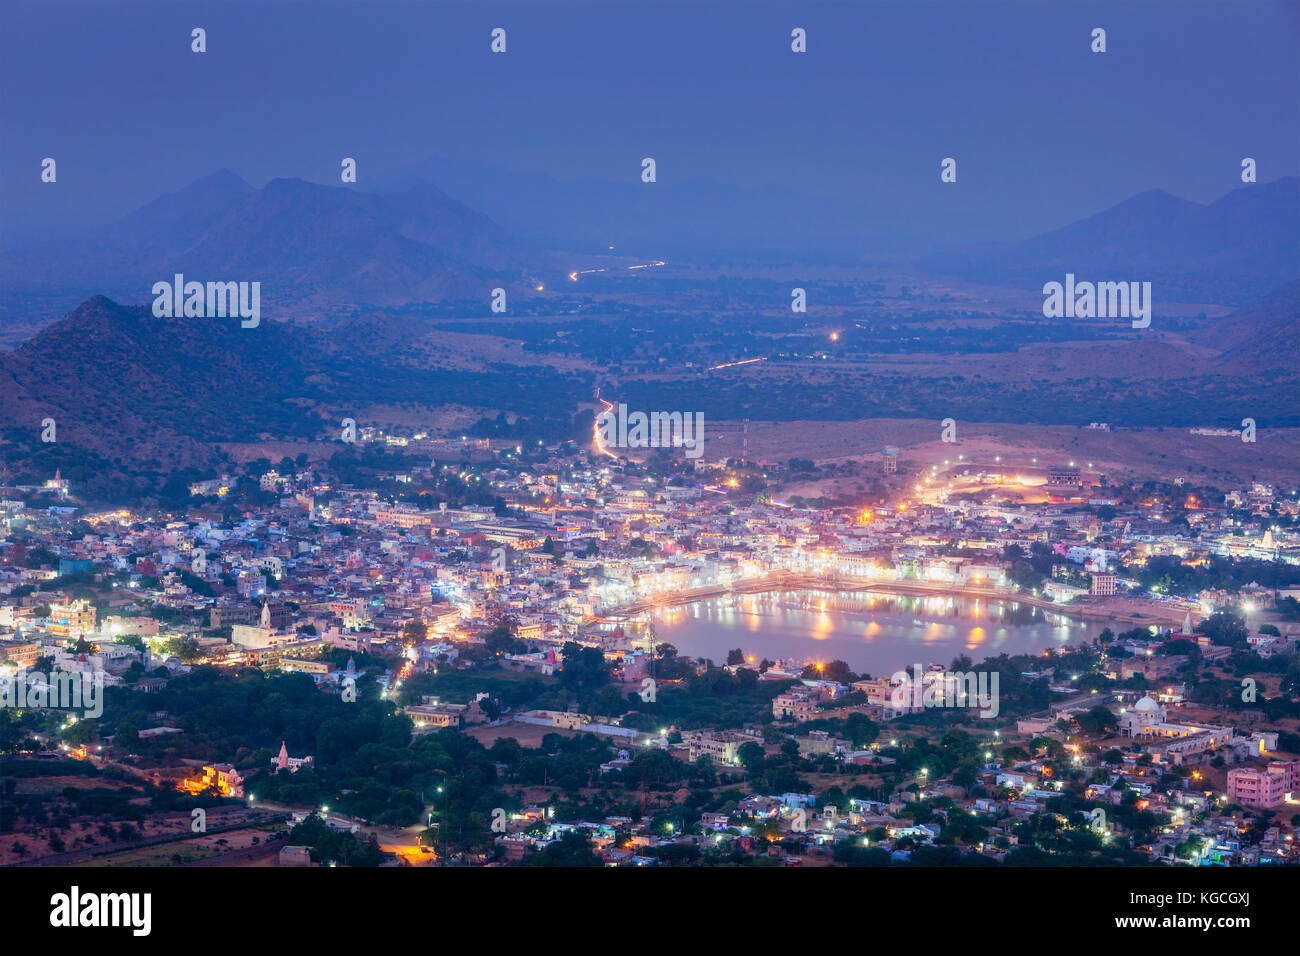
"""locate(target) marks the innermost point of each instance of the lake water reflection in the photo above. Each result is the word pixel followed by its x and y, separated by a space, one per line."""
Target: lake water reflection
pixel 873 632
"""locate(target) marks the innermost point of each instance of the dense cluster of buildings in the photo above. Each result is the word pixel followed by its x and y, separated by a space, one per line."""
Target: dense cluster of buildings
pixel 572 547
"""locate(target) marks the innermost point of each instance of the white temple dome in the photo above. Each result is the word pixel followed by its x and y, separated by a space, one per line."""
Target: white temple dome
pixel 1146 704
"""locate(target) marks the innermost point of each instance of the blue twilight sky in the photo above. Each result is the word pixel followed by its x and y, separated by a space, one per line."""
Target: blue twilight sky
pixel 1044 130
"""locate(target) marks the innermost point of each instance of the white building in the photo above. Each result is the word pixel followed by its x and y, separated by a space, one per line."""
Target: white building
pixel 1179 741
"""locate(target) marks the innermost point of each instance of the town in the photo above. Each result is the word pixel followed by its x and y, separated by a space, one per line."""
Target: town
pixel 448 651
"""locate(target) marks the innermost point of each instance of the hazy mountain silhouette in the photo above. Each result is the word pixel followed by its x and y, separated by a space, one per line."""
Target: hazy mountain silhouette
pixel 309 245
pixel 1230 250
pixel 704 221
pixel 179 216
pixel 327 250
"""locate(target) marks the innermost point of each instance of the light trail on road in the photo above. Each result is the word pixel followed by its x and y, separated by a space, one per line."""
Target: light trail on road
pixel 596 441
pixel 734 364
pixel 573 276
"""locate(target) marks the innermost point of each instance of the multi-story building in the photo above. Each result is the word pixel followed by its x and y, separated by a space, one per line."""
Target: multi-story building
pixel 73 620
pixel 408 521
pixel 1266 788
pixel 1103 585
pixel 21 653
pixel 723 746
pixel 797 703
pixel 1064 477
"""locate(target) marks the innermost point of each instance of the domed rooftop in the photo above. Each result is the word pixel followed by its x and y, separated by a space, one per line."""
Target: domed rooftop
pixel 1146 704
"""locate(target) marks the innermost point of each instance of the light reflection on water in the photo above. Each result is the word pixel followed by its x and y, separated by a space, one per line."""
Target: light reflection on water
pixel 874 632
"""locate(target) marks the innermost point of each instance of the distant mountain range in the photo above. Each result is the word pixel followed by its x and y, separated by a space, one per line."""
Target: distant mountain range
pixel 331 251
pixel 1228 251
pixel 700 221
pixel 312 247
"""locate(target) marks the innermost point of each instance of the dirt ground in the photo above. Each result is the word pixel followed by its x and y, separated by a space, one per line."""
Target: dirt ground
pixel 528 735
pixel 1135 453
pixel 86 834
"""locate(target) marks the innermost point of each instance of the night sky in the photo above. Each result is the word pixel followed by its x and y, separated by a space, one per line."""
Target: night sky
pixel 1044 130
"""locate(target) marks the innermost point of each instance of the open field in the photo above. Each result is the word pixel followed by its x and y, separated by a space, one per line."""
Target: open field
pixel 528 735
pixel 1125 453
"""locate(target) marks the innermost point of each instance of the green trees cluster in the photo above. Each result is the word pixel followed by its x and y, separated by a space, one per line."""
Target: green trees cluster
pixel 332 846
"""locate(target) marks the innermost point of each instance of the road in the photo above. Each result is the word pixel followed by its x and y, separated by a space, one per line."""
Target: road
pixel 404 842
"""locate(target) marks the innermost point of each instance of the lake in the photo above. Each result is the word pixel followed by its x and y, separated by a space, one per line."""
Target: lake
pixel 873 632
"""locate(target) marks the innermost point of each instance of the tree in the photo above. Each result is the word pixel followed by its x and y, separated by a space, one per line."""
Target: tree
pixel 853 853
pixel 500 641
pixel 860 729
pixel 1096 720
pixel 186 648
pixel 127 737
pixel 1224 628
pixel 652 768
pixel 837 671
pixel 752 757
pixel 965 774
pixel 572 849
pixel 584 669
